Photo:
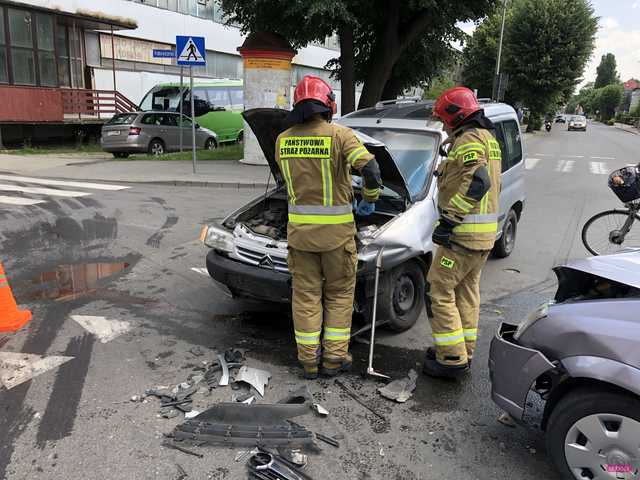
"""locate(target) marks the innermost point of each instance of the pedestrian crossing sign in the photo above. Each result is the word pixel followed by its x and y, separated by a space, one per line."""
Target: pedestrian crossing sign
pixel 190 50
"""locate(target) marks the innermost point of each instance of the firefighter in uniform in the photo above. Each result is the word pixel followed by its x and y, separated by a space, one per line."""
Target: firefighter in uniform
pixel 316 158
pixel 469 188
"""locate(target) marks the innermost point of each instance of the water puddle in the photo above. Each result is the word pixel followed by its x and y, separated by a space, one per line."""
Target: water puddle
pixel 69 282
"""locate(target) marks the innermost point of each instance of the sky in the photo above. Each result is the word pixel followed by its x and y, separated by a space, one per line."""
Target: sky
pixel 618 33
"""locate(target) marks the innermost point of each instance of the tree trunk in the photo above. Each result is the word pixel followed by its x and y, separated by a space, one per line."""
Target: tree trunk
pixel 392 88
pixel 347 71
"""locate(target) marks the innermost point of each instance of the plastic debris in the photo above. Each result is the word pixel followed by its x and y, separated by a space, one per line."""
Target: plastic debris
pixel 192 414
pixel 402 389
pixel 320 410
pixel 249 400
pixel 507 420
pixel 258 379
pixel 242 456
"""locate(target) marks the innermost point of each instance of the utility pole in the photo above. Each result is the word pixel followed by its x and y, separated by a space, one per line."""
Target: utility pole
pixel 496 85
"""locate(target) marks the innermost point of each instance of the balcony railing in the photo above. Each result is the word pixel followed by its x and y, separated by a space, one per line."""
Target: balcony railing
pixel 88 104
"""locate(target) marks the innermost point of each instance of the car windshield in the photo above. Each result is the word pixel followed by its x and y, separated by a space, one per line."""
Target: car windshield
pixel 122 119
pixel 578 118
pixel 413 151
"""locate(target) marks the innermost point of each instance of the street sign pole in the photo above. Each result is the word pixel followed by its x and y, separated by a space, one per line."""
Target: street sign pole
pixel 180 109
pixel 193 119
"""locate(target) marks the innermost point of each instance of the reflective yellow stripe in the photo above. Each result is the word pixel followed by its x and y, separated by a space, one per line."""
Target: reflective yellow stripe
pixel 356 154
pixel 337 334
pixel 476 228
pixel 321 219
pixel 470 333
pixel 451 338
pixel 461 203
pixel 330 195
pixel 307 338
pixel 327 196
pixel 287 178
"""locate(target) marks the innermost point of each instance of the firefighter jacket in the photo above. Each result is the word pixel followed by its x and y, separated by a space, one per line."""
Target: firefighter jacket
pixel 315 159
pixel 469 187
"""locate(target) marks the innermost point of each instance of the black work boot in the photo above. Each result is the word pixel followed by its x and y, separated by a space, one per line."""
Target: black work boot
pixel 431 355
pixel 331 368
pixel 433 368
pixel 310 372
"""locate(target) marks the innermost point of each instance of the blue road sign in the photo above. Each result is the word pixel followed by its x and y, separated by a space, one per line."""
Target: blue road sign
pixel 190 51
pixel 163 53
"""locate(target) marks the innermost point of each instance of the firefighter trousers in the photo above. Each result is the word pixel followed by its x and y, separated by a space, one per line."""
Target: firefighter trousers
pixel 454 279
pixel 323 290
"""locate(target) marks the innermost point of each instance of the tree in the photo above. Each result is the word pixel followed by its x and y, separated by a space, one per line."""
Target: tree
pixel 606 71
pixel 608 99
pixel 480 54
pixel 549 44
pixel 438 85
pixel 375 35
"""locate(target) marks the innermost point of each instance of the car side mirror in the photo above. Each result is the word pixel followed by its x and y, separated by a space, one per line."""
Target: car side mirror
pixel 197 125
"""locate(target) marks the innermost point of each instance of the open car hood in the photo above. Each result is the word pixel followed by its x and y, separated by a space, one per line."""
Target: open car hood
pixel 268 123
pixel 577 275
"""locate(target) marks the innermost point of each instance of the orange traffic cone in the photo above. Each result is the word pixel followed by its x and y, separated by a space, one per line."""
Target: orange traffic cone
pixel 11 319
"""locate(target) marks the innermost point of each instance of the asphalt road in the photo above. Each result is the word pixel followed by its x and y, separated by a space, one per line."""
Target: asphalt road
pixel 118 309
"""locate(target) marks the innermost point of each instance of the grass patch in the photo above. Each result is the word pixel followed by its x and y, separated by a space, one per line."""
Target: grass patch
pixel 233 151
pixel 55 149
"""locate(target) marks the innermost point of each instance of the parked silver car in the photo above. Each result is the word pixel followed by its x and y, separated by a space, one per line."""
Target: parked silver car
pixel 154 133
pixel 248 253
pixel 572 368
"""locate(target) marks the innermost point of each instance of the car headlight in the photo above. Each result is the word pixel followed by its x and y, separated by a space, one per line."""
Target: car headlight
pixel 537 314
pixel 216 237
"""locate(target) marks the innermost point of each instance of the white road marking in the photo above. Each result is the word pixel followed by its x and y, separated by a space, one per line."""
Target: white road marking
pixel 63 183
pixel 565 166
pixel 572 156
pixel 603 158
pixel 19 200
pixel 545 155
pixel 530 163
pixel 201 271
pixel 42 191
pixel 103 328
pixel 598 168
pixel 17 368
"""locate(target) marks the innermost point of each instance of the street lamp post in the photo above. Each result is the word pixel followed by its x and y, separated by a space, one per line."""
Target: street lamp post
pixel 496 88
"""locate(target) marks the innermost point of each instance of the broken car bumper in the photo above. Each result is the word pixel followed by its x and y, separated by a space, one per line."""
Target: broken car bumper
pixel 249 281
pixel 513 369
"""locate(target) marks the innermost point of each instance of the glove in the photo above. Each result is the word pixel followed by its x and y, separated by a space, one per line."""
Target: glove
pixel 365 208
pixel 442 233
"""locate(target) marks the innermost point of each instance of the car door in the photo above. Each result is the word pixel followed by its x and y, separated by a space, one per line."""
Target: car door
pixel 512 191
pixel 168 130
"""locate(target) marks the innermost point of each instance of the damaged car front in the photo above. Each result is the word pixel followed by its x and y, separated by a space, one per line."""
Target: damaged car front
pixel 248 253
pixel 572 368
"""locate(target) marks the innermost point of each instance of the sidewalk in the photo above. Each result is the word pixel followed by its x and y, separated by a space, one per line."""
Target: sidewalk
pixel 100 167
pixel 627 128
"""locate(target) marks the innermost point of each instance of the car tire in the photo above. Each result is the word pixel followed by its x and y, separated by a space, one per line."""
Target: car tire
pixel 608 410
pixel 210 144
pixel 401 299
pixel 156 147
pixel 505 245
pixel 120 155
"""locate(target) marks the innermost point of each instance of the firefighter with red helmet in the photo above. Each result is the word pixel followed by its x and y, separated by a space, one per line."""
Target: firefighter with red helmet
pixel 468 195
pixel 316 158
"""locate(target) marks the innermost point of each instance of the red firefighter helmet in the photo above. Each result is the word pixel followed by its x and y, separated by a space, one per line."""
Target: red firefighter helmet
pixel 314 88
pixel 454 105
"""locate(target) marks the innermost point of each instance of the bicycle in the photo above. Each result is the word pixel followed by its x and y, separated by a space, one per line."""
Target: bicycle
pixel 611 231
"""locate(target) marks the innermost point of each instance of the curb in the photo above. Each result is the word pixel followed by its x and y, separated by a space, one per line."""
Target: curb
pixel 636 132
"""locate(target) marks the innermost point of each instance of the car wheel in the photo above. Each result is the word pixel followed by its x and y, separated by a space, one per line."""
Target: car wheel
pixel 120 155
pixel 156 147
pixel 507 242
pixel 592 433
pixel 210 144
pixel 401 299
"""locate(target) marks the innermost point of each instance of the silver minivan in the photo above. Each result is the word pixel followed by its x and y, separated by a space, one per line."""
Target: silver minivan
pixel 154 133
pixel 248 253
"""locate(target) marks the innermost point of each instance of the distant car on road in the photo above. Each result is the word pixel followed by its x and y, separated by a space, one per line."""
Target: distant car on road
pixel 155 133
pixel 577 122
pixel 572 368
pixel 560 119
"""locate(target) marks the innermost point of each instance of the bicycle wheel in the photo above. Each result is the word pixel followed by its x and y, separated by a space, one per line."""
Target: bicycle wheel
pixel 600 230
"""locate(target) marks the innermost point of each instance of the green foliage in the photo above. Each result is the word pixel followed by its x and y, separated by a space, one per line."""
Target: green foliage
pixel 606 71
pixel 549 44
pixel 608 98
pixel 438 85
pixel 610 122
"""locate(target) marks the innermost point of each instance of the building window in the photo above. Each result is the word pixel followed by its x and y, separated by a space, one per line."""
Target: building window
pixel 46 50
pixel 21 39
pixel 4 73
pixel 62 46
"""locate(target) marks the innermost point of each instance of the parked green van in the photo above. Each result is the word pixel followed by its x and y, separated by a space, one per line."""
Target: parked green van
pixel 218 105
